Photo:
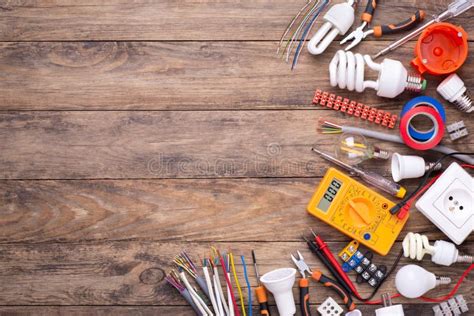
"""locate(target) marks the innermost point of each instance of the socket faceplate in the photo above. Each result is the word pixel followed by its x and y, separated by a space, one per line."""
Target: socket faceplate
pixel 449 203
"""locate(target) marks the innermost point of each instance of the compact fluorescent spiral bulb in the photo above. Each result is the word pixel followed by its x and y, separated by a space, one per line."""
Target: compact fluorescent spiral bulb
pixel 346 70
pixel 444 253
pixel 413 281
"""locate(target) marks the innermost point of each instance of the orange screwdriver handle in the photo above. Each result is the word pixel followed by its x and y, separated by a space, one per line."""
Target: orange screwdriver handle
pixel 369 11
pixel 261 295
pixel 304 297
pixel 327 282
pixel 406 25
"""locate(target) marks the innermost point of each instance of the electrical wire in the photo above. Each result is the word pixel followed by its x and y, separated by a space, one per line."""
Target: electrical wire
pixel 374 292
pixel 230 292
pixel 205 269
pixel 249 289
pixel 229 286
pixel 294 36
pixel 327 127
pixel 237 284
pixel 435 299
pixel 305 34
pixel 183 261
pixel 290 25
pixel 173 280
pixel 218 296
pixel 203 309
pixel 453 291
pixel 215 259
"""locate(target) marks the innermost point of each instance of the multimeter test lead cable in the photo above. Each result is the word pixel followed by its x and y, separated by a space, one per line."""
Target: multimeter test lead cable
pixel 370 177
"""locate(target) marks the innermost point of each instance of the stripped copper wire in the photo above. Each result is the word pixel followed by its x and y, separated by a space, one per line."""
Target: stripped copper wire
pixel 184 262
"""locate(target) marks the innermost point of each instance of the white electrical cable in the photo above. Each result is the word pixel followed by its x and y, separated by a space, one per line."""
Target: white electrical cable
pixel 211 292
pixel 396 139
pixel 218 297
pixel 196 298
pixel 221 293
pixel 229 298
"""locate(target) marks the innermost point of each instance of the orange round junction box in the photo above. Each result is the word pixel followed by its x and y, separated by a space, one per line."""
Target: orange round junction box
pixel 441 49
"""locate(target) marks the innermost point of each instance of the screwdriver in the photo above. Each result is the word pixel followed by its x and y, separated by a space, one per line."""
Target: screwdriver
pixel 370 177
pixel 260 291
pixel 454 9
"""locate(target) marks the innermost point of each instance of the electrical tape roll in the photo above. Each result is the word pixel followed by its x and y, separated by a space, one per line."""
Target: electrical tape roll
pixel 438 127
pixel 423 101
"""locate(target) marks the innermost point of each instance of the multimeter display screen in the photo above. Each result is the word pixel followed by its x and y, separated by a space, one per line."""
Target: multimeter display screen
pixel 329 195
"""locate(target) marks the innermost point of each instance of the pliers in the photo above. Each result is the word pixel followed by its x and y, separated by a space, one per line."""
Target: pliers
pixel 378 31
pixel 319 277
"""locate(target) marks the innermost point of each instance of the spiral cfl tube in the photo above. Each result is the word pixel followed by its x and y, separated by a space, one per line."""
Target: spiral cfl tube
pixel 347 71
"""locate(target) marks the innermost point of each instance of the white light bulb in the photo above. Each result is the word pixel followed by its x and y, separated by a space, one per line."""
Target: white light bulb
pixel 347 70
pixel 442 252
pixel 413 281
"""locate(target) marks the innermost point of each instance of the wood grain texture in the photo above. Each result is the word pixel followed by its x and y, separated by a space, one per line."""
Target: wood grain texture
pixel 166 210
pixel 169 144
pixel 131 273
pixel 410 310
pixel 65 20
pixel 176 76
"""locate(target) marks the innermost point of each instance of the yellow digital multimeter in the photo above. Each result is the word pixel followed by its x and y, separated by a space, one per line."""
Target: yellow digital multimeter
pixel 356 211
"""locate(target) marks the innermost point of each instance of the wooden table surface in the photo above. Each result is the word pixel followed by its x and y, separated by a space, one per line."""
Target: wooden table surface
pixel 131 130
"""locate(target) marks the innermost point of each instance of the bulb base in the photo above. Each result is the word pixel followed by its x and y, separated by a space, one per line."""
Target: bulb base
pixel 433 165
pixel 464 103
pixel 415 83
pixel 464 259
pixel 442 280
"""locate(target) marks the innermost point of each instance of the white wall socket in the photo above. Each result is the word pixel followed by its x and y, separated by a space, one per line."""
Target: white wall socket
pixel 449 203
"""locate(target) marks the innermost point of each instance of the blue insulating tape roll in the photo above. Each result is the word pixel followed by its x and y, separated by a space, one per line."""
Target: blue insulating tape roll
pixel 426 101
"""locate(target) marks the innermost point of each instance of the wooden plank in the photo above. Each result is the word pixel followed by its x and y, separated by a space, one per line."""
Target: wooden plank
pixel 410 310
pixel 65 20
pixel 91 210
pixel 163 210
pixel 175 76
pixel 131 273
pixel 169 144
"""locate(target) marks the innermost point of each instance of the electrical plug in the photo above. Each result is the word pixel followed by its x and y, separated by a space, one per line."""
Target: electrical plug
pixel 389 309
pixel 442 252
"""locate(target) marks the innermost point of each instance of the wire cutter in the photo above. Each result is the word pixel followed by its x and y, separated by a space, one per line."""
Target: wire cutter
pixel 378 31
pixel 319 277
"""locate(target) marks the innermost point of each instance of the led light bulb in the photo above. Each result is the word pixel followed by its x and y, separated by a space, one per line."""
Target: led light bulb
pixel 354 148
pixel 413 281
pixel 453 90
pixel 442 252
pixel 346 70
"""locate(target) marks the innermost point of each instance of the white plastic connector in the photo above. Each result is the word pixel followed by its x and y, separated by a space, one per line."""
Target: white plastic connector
pixel 448 203
pixel 389 309
pixel 454 306
pixel 453 90
pixel 346 70
pixel 330 308
pixel 339 20
pixel 443 253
